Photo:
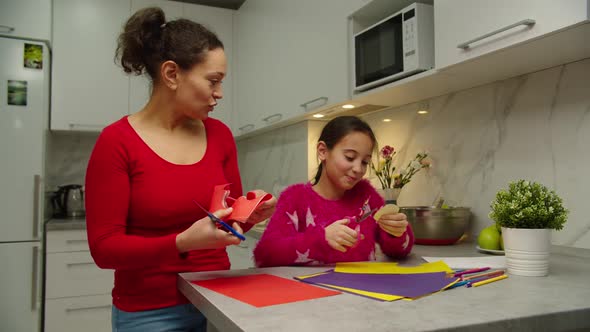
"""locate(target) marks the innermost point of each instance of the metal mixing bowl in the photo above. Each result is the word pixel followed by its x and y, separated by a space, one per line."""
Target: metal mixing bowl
pixel 437 226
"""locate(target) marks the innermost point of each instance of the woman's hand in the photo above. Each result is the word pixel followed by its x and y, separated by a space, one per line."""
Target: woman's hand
pixel 264 210
pixel 341 237
pixel 394 224
pixel 204 234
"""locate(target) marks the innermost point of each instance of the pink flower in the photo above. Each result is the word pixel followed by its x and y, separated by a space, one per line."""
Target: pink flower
pixel 387 152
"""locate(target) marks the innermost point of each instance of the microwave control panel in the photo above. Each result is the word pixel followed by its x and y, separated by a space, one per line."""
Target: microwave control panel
pixel 409 32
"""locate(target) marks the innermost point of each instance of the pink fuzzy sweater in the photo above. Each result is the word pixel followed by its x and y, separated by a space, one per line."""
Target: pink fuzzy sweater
pixel 295 234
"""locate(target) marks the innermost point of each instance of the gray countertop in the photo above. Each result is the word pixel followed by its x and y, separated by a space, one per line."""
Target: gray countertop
pixel 558 302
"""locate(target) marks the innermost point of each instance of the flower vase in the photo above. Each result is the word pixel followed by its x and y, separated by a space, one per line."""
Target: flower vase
pixel 390 195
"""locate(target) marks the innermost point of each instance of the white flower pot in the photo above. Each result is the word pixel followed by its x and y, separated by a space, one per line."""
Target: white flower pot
pixel 527 251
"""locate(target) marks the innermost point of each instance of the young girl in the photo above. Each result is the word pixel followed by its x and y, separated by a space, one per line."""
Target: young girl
pixel 313 222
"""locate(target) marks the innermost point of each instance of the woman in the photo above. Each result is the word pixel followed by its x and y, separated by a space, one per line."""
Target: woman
pixel 147 168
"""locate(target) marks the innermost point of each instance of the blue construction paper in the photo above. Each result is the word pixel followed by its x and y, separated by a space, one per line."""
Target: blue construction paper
pixel 406 285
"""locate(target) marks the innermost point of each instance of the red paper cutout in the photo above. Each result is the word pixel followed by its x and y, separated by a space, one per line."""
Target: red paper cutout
pixel 261 290
pixel 243 206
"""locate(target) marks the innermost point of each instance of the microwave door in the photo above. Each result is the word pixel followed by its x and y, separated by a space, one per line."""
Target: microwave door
pixel 379 53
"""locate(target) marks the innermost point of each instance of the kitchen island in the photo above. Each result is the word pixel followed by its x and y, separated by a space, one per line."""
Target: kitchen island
pixel 558 302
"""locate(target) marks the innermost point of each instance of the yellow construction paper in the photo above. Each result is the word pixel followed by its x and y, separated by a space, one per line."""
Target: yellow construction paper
pixel 391 268
pixel 380 296
pixel 384 268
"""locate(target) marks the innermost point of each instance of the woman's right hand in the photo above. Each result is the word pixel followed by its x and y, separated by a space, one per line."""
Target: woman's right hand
pixel 204 234
pixel 341 237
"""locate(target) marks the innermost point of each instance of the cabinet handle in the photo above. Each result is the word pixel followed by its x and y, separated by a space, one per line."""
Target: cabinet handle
pixel 276 116
pixel 73 126
pixel 76 241
pixel 35 276
pixel 246 128
pixel 36 199
pixel 105 306
pixel 6 29
pixel 79 264
pixel 324 99
pixel 528 22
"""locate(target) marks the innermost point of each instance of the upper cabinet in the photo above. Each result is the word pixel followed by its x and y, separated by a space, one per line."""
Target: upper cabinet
pixel 466 29
pixel 478 42
pixel 26 18
pixel 291 57
pixel 89 91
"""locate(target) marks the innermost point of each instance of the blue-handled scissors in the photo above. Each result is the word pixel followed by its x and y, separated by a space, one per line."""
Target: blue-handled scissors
pixel 222 223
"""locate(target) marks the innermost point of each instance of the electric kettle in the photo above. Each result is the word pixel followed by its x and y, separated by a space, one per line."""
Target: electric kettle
pixel 68 201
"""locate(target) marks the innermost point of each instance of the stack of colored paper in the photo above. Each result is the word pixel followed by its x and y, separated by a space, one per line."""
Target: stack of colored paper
pixel 385 281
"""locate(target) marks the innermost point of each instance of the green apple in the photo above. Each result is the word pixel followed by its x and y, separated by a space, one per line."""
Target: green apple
pixel 501 242
pixel 489 238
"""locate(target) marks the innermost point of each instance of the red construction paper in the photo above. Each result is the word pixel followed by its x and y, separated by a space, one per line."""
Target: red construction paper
pixel 261 290
pixel 243 206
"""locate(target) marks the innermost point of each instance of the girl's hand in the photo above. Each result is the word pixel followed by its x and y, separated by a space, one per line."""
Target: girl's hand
pixel 340 237
pixel 204 234
pixel 394 224
pixel 264 210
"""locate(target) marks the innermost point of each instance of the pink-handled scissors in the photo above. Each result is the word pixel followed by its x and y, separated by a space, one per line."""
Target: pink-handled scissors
pixel 355 222
pixel 362 216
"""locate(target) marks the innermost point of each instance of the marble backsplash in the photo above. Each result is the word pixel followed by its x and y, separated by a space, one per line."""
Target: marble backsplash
pixel 276 159
pixel 67 157
pixel 534 126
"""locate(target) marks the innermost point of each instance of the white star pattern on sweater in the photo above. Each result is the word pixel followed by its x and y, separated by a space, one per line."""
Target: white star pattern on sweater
pixel 303 258
pixel 309 218
pixel 294 219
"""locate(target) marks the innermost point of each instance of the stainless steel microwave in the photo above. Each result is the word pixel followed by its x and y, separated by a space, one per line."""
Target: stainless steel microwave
pixel 396 47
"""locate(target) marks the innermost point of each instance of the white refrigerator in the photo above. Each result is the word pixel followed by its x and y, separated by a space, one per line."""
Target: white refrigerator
pixel 24 112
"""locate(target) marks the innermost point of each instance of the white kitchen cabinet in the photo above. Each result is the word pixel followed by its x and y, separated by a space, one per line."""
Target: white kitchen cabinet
pixel 289 53
pixel 77 292
pixel 460 21
pixel 140 86
pixel 85 313
pixel 26 18
pixel 21 267
pixel 89 91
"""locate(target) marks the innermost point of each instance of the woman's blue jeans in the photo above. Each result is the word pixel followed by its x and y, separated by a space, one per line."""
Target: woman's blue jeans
pixel 184 317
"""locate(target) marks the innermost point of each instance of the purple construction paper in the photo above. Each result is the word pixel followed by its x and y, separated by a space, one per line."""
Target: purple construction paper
pixel 406 285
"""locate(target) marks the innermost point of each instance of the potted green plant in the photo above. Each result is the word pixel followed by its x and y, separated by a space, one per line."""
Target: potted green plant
pixel 526 213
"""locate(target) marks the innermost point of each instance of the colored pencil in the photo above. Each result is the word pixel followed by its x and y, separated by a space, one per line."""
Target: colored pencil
pixel 487 281
pixel 485 274
pixel 458 284
pixel 471 271
pixel 473 281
